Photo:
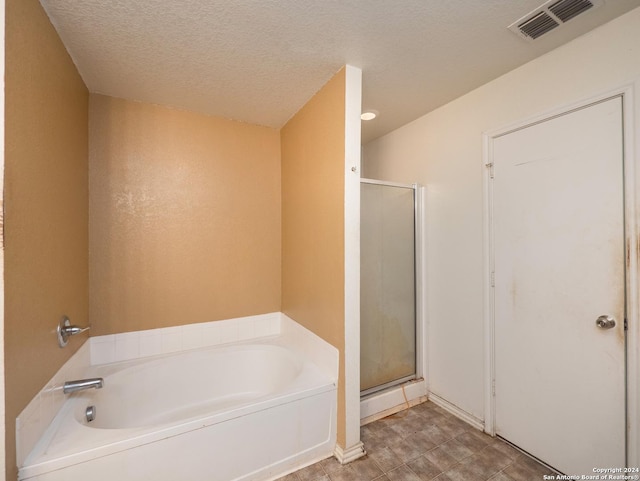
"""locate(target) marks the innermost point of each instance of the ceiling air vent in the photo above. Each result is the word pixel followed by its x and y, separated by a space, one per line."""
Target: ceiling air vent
pixel 538 25
pixel 550 15
pixel 567 9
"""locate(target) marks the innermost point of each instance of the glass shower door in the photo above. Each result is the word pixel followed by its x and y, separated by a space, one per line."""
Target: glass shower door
pixel 387 284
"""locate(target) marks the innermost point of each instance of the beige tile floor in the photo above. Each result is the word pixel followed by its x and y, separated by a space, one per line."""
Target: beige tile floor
pixel 425 443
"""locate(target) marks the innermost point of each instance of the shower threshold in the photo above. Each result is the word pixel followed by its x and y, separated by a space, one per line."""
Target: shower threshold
pixel 386 386
pixel 393 398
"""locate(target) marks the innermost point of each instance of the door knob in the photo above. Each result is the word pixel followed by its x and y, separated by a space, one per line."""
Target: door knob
pixel 605 322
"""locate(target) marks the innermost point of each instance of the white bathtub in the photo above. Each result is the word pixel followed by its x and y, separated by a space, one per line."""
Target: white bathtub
pixel 240 412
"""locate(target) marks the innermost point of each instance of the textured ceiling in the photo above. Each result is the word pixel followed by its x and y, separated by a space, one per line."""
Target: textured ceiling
pixel 260 61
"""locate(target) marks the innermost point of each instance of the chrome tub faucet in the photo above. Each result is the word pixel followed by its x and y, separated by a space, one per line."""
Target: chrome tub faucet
pixel 82 384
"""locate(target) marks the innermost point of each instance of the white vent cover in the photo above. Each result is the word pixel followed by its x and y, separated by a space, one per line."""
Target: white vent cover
pixel 550 15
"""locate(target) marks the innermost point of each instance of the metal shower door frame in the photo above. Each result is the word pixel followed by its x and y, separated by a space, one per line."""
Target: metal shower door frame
pixel 419 283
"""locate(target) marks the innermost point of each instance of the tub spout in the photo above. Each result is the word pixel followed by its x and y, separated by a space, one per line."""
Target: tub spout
pixel 82 384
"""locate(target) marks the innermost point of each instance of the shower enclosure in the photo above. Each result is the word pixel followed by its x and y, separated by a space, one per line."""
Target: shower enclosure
pixel 387 284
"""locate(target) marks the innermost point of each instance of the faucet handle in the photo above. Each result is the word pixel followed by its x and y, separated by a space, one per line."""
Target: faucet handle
pixel 73 330
pixel 65 330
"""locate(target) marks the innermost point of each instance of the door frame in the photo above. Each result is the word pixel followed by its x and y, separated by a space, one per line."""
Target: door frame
pixel 631 170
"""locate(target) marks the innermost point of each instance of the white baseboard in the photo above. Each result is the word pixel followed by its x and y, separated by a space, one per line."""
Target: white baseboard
pixel 456 411
pixel 352 453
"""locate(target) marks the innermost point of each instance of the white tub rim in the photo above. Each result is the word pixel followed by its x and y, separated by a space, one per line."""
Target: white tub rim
pixel 41 461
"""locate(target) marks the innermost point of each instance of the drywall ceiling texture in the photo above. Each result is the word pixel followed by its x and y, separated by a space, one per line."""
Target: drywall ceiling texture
pixel 259 62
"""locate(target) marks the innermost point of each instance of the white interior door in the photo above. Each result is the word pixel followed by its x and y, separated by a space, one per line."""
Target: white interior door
pixel 559 263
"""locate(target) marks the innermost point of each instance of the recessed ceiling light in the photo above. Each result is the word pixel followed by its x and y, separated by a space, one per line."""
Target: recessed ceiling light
pixel 369 115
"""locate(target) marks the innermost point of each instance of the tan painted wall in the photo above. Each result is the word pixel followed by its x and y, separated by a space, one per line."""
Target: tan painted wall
pixel 184 217
pixel 313 153
pixel 46 206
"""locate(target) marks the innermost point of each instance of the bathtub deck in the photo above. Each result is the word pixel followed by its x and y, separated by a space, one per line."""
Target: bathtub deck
pixel 153 411
pixel 425 443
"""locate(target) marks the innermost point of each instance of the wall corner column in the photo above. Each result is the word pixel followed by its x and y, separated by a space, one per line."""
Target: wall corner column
pixel 353 448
